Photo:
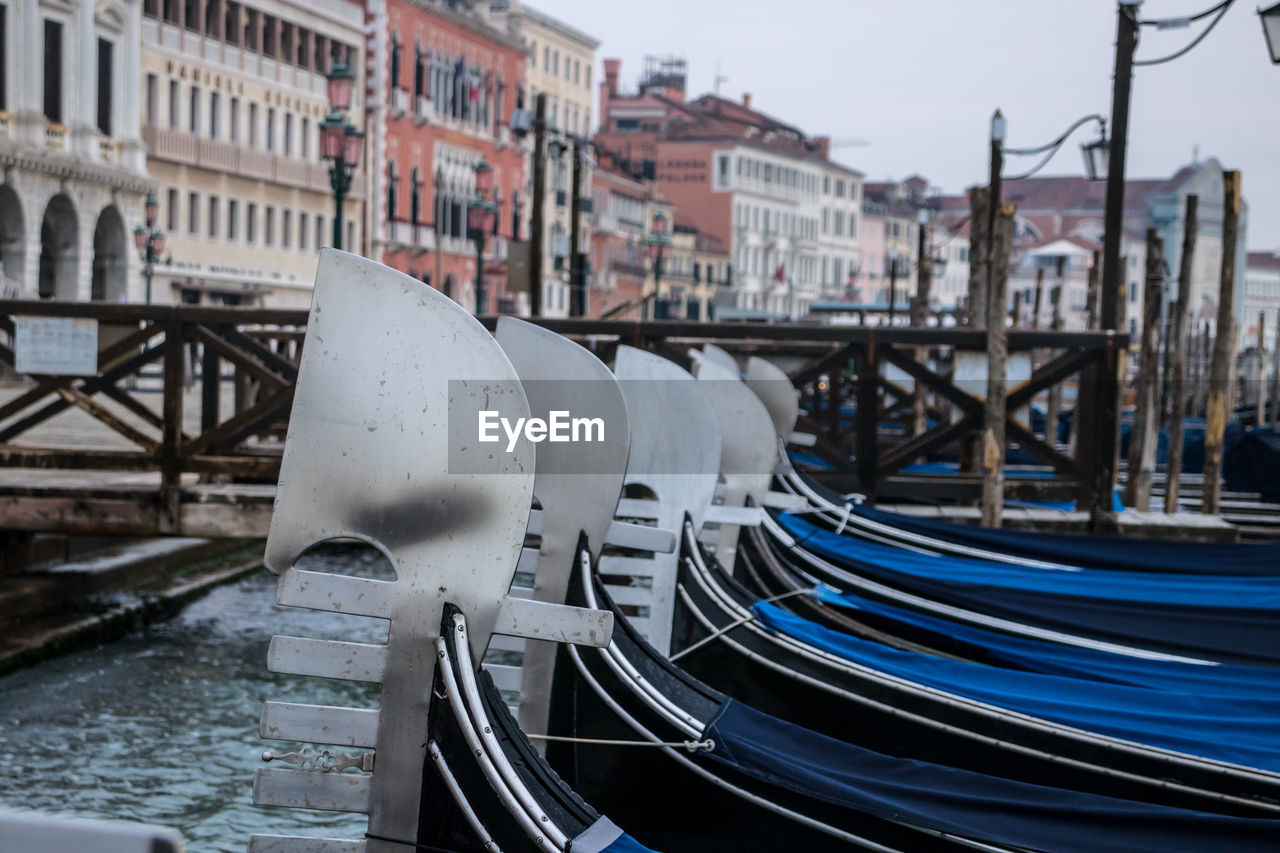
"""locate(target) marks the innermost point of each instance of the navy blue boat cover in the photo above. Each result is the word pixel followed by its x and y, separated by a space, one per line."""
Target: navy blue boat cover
pixel 1074 661
pixel 1098 552
pixel 1231 618
pixel 1236 729
pixel 972 805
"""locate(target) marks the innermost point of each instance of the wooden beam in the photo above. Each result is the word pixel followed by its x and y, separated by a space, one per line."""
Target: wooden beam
pixel 1146 420
pixel 994 410
pixel 1219 402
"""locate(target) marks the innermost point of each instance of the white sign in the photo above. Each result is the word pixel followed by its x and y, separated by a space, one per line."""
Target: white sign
pixel 63 346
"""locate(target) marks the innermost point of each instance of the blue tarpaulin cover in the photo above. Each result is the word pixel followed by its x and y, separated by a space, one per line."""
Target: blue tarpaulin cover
pixel 1097 551
pixel 1235 729
pixel 1227 618
pixel 1074 661
pixel 969 804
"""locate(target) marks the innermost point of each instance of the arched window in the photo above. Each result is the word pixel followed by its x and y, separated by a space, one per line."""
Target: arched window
pixel 515 215
pixel 395 60
pixel 419 74
pixel 415 195
pixel 393 182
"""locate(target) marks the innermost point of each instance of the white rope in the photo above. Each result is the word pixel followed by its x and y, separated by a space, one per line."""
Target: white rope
pixel 690 745
pixel 750 617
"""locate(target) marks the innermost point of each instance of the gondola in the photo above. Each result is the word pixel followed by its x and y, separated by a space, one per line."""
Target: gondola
pixel 725 776
pixel 917 705
pixel 487 788
pixel 1046 550
pixel 765 573
pixel 1229 619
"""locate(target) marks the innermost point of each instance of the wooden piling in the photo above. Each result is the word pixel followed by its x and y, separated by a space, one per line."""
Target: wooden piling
pixel 993 414
pixel 1275 378
pixel 1262 368
pixel 1219 392
pixel 1091 304
pixel 1039 294
pixel 1178 370
pixel 1055 392
pixel 537 204
pixel 975 316
pixel 1146 420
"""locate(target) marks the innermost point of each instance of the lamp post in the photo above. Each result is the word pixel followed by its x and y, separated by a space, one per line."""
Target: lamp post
pixel 1271 29
pixel 480 213
pixel 149 241
pixel 658 241
pixel 341 143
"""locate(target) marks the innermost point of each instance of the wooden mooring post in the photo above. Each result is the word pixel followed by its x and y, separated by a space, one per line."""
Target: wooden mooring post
pixel 1219 392
pixel 1146 419
pixel 993 410
pixel 1262 368
pixel 1178 370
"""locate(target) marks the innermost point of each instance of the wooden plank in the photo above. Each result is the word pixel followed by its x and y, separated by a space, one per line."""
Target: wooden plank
pixel 108 418
pixel 868 419
pixel 216 345
pixel 1050 373
pixel 71 515
pixel 938 384
pixel 245 423
pixel 932 439
pixel 304 844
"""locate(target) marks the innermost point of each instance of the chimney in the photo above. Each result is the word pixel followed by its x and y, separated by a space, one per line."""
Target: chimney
pixel 823 146
pixel 746 100
pixel 611 69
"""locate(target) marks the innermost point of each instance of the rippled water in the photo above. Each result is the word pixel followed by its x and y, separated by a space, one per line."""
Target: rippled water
pixel 162 726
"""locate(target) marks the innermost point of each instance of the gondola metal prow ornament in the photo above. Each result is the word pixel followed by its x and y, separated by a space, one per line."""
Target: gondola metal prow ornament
pixel 391 376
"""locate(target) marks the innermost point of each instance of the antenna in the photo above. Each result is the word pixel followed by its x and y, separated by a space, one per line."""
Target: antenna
pixel 720 78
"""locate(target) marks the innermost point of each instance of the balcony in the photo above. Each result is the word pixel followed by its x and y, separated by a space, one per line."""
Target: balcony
pixel 424 238
pixel 422 113
pixel 109 150
pixel 55 138
pixel 628 269
pixel 188 149
pixel 399 102
pixel 399 236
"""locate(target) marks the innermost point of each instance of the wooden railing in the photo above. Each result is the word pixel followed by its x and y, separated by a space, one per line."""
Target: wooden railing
pixel 258 350
pixel 261 348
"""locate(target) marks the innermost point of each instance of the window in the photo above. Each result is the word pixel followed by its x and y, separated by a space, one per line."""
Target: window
pixel 546 59
pixel 555 63
pixel 213 216
pixel 215 101
pixel 253 125
pixel 286 226
pixel 230 25
pixel 588 76
pixel 351 236
pixel 251 222
pixel 840 188
pixel 172 212
pixel 193 213
pixel 52 70
pixel 193 114
pixel 839 223
pixel 306 138
pixel 233 211
pixel 268 225
pixel 235 119
pixel 153 96
pixel 319 230
pixel 288 134
pixel 271 128
pixel 393 191
pixel 173 105
pixel 302 230
pixel 826 185
pixel 105 84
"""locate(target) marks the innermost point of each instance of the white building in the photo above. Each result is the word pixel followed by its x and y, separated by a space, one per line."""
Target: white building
pixel 74 176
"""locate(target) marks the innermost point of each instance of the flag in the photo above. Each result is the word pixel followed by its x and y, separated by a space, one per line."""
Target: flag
pixel 780 274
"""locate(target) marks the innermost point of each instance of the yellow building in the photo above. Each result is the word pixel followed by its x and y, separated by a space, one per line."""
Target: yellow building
pixel 232 103
pixel 560 63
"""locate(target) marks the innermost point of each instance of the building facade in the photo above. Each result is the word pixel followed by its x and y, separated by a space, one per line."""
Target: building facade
pixel 623 285
pixel 74 177
pixel 560 66
pixel 444 83
pixel 745 178
pixel 234 94
pixel 1262 296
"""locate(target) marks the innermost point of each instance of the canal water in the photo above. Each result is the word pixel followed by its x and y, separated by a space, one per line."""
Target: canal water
pixel 162 726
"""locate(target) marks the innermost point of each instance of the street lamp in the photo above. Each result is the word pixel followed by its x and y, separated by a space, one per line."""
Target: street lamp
pixel 658 241
pixel 480 216
pixel 1271 29
pixel 341 143
pixel 1097 156
pixel 149 241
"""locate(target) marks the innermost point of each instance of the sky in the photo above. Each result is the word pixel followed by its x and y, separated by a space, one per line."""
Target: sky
pixel 919 80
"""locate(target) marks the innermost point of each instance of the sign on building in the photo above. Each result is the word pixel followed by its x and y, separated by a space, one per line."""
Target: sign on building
pixel 63 346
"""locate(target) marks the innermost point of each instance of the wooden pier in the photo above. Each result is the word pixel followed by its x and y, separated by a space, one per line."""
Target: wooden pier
pixel 179 431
